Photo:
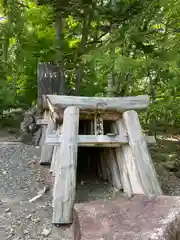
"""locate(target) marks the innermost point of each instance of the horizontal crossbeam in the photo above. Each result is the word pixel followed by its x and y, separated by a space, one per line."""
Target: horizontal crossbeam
pixel 118 104
pixel 95 140
pixel 86 115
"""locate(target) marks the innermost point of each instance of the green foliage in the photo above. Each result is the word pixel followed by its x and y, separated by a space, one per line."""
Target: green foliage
pixel 137 42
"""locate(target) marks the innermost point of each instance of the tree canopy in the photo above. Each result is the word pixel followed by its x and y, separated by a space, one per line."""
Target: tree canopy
pixel 101 47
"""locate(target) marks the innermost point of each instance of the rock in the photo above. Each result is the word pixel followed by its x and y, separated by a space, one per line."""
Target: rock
pixel 35 220
pixel 46 232
pixel 7 210
pixel 11 231
pixel 171 166
pixel 129 219
pixel 4 172
pixel 26 232
pixel 161 169
pixel 40 194
pixel 9 214
pixel 29 216
pixel 10 236
pixel 32 162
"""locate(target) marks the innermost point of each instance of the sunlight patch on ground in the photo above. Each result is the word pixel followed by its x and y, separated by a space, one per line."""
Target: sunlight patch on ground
pixel 169 138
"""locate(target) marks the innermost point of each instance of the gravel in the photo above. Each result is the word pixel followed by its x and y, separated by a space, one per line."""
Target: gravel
pixel 20 219
pixel 21 178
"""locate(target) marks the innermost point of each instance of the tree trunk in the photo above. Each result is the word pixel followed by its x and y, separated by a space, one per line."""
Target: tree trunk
pixel 153 82
pixel 59 52
pixel 85 31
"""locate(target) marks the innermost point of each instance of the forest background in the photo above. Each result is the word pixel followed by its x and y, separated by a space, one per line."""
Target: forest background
pixel 101 47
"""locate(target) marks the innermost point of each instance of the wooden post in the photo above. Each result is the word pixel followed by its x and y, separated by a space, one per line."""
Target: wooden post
pixel 122 155
pixel 141 169
pixel 38 137
pixel 103 165
pixel 47 151
pixel 114 168
pixel 109 163
pixel 65 176
pixel 98 125
pixel 106 165
pixel 55 155
pixel 53 162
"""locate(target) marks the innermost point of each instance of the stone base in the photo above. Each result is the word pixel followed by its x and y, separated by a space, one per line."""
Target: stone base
pixel 130 219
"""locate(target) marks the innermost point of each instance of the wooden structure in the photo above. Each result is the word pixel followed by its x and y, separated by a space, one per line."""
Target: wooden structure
pixel 48 78
pixel 125 161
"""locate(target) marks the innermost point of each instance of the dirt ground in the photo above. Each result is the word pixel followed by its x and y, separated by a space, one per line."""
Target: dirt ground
pixel 21 178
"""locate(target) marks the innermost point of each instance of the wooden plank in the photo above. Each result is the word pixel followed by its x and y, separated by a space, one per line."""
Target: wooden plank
pixel 48 79
pixel 55 155
pixel 54 115
pixel 114 169
pixel 150 139
pixel 98 125
pixel 113 164
pixel 103 166
pixel 65 180
pixel 141 163
pixel 46 117
pixel 90 140
pixel 42 122
pixel 99 169
pixel 53 162
pixel 41 141
pixel 87 115
pixel 118 104
pixel 110 116
pixel 94 140
pixel 106 165
pixel 122 160
pixel 47 150
pixel 131 170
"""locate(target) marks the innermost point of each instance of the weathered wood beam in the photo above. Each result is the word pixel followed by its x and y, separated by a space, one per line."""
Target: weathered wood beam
pixel 150 139
pixel 141 168
pixel 106 164
pixel 103 165
pixel 65 177
pixel 86 115
pixel 124 157
pixel 126 184
pixel 114 169
pixel 55 154
pixel 47 150
pixel 118 104
pixel 90 140
pixel 94 140
pixel 98 125
pixel 42 122
pixel 54 114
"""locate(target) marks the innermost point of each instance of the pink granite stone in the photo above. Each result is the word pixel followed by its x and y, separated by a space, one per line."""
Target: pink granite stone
pixel 129 219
